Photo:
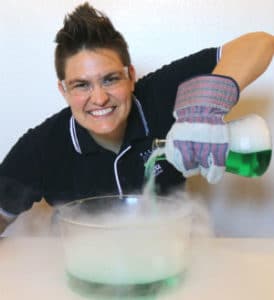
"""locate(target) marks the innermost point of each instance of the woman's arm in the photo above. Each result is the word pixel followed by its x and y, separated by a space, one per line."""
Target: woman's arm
pixel 246 58
pixel 4 222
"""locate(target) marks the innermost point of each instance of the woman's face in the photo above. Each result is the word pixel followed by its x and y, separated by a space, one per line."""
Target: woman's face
pixel 98 89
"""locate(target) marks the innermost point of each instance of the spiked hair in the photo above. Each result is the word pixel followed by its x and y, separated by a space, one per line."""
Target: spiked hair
pixel 87 28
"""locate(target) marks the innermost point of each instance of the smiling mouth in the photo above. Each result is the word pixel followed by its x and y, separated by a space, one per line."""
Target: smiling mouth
pixel 101 112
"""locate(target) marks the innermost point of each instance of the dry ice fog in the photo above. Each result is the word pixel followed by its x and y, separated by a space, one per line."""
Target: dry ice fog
pixel 144 238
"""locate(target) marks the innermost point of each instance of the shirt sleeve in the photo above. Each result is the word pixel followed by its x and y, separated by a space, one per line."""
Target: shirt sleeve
pixel 20 176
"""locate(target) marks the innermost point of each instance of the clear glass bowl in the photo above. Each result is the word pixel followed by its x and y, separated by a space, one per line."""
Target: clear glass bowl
pixel 125 241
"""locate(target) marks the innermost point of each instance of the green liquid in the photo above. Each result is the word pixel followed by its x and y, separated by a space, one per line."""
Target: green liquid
pixel 150 189
pixel 244 164
pixel 248 164
pixel 149 166
pixel 144 291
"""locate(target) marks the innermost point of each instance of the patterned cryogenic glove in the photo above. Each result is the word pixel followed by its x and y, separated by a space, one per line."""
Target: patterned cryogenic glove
pixel 197 143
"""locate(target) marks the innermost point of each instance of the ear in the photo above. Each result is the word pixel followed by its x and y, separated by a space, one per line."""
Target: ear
pixel 132 76
pixel 61 88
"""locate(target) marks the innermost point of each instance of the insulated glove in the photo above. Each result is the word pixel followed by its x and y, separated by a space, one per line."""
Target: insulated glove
pixel 197 142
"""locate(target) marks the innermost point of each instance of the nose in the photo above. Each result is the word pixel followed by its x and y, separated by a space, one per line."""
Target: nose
pixel 99 96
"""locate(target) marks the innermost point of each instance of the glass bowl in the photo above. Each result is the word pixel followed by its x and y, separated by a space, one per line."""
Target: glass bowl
pixel 125 241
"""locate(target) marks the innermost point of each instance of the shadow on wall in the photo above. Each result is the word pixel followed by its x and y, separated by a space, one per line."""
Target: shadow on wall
pixel 235 190
pixel 238 207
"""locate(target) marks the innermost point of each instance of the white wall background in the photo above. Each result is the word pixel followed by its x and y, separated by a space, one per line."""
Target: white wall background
pixel 158 31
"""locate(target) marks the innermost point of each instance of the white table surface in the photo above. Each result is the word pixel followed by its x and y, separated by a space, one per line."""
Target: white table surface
pixel 33 268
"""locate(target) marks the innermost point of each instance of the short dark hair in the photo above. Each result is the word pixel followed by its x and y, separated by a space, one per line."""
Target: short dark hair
pixel 87 28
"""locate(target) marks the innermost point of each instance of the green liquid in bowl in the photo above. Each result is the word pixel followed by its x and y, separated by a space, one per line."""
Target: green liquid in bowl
pixel 144 291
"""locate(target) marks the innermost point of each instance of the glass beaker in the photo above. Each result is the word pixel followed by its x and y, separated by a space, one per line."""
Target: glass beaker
pixel 249 146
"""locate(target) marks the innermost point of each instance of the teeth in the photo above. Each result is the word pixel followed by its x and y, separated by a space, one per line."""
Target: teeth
pixel 101 112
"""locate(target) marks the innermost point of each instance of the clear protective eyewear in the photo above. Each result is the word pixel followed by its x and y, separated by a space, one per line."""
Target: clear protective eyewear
pixel 108 82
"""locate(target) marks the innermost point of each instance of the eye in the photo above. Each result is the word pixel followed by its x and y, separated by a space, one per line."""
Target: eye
pixel 111 79
pixel 80 86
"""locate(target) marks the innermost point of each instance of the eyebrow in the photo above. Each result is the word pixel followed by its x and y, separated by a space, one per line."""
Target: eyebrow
pixel 75 80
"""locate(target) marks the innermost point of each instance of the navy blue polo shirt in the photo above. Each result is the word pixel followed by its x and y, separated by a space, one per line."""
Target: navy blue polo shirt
pixel 60 162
